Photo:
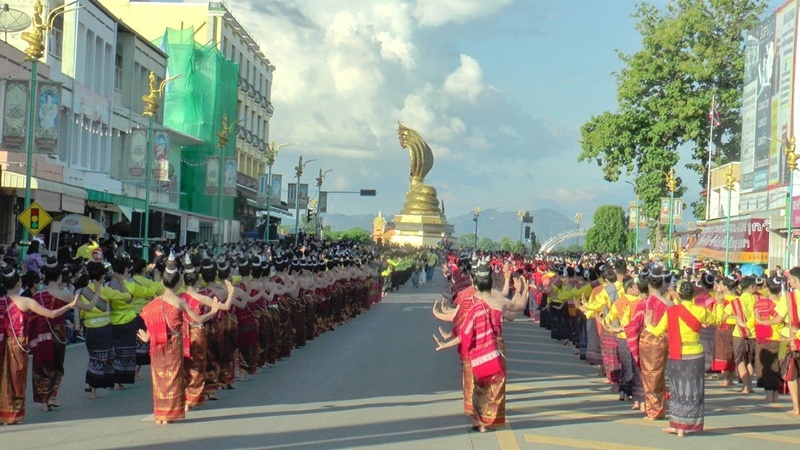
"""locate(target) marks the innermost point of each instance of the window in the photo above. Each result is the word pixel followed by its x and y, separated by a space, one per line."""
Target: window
pixel 118 73
pixel 57 37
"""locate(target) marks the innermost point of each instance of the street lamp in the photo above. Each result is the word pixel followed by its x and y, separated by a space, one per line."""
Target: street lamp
pixel 272 152
pixel 521 214
pixel 150 107
pixel 299 170
pixel 672 185
pixel 320 179
pixel 578 218
pixel 788 147
pixel 476 213
pixel 730 180
pixel 222 144
pixel 34 52
pixel 636 236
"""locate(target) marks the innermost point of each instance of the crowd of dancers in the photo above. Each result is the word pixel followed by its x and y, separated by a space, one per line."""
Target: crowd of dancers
pixel 639 324
pixel 200 321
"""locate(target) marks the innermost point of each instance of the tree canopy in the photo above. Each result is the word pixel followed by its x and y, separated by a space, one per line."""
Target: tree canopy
pixel 609 232
pixel 692 51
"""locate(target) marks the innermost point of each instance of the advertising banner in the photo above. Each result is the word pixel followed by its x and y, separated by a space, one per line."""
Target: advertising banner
pixel 229 185
pixel 677 211
pixel 48 109
pixel 783 91
pixel 633 214
pixel 749 241
pixel 275 189
pixel 303 196
pixel 263 186
pixel 291 195
pixel 323 202
pixel 212 175
pixel 15 113
pixel 160 167
pixel 765 84
pixel 137 140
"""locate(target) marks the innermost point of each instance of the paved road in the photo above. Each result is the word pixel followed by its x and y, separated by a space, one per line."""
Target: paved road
pixel 376 382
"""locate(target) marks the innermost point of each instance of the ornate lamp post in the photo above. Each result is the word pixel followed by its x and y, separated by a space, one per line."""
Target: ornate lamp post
pixel 791 164
pixel 320 180
pixel 521 214
pixel 299 171
pixel 475 214
pixel 34 52
pixel 272 152
pixel 150 108
pixel 672 185
pixel 578 218
pixel 730 180
pixel 636 227
pixel 222 144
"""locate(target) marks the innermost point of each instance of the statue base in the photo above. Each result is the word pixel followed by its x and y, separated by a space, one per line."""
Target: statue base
pixel 420 231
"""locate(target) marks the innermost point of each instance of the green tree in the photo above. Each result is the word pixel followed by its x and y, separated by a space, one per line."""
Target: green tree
pixel 506 244
pixel 466 240
pixel 693 50
pixel 609 232
pixel 357 234
pixel 520 247
pixel 488 245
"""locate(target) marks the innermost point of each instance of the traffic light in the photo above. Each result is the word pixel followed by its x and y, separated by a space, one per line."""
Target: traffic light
pixel 368 192
pixel 527 232
pixel 34 218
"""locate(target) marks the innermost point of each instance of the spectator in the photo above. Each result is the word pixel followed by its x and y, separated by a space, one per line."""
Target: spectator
pixel 85 250
pixel 12 253
pixel 33 261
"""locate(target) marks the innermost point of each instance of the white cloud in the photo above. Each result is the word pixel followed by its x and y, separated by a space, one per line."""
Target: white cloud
pixel 439 12
pixel 467 80
pixel 347 72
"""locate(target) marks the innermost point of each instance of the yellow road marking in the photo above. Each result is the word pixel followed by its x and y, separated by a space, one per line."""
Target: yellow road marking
pixel 507 439
pixel 772 437
pixel 581 443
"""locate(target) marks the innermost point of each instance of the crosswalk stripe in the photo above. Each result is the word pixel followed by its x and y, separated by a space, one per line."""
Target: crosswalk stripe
pixel 581 443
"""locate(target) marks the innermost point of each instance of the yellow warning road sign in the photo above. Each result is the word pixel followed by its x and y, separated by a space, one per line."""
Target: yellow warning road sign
pixel 35 218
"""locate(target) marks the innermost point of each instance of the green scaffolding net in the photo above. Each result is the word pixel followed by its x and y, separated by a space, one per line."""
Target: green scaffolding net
pixel 194 105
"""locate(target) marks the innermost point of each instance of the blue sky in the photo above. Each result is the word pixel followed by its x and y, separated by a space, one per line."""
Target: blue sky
pixel 499 89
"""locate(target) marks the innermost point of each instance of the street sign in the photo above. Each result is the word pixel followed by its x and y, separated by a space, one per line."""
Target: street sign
pixel 35 218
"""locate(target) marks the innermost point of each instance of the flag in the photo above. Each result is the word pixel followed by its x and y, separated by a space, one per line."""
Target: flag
pixel 713 116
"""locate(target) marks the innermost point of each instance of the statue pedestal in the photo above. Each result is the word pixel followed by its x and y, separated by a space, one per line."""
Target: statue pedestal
pixel 420 231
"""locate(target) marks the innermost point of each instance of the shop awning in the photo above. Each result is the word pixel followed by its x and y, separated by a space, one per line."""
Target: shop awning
pixel 116 199
pixel 749 241
pixel 52 195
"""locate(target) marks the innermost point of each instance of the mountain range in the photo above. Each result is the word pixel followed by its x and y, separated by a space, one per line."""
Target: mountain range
pixel 492 223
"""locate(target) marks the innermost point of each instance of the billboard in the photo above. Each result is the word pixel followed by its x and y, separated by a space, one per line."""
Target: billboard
pixel 767 99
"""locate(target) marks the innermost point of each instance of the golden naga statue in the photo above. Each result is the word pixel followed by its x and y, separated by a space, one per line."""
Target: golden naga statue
pixel 222 134
pixel 151 98
pixel 35 38
pixel 421 198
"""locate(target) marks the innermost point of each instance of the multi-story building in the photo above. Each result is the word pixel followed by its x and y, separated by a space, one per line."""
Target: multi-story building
pixel 102 66
pixel 214 25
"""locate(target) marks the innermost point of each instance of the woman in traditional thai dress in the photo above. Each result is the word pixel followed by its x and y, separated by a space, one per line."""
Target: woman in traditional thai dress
pixel 95 307
pixel 686 363
pixel 652 348
pixel 618 318
pixel 169 339
pixel 481 339
pixel 724 361
pixel 704 296
pixel 143 289
pixel 790 364
pixel 123 325
pixel 49 354
pixel 14 345
pixel 195 364
pixel 769 325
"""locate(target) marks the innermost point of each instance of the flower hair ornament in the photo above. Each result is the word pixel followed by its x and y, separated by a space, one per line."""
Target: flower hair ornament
pixel 171 266
pixel 4 267
pixel 187 264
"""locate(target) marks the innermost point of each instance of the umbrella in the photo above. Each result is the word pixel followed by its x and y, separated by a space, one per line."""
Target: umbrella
pixel 75 223
pixel 752 269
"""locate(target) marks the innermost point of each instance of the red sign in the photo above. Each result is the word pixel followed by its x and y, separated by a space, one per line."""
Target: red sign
pixel 749 241
pixel 795 212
